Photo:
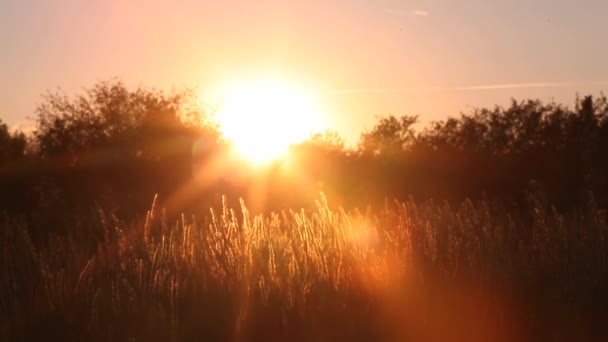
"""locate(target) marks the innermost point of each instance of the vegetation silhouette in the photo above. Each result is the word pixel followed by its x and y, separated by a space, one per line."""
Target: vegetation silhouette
pixel 116 147
pixel 497 216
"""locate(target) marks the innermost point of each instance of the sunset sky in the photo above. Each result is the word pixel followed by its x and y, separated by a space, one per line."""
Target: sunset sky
pixel 364 58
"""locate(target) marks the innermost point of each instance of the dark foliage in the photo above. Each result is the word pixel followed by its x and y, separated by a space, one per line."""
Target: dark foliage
pixel 110 147
pixel 114 148
pixel 500 153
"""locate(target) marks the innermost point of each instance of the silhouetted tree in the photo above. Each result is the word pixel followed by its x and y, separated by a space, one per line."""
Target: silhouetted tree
pixel 390 135
pixel 12 145
pixel 118 146
pixel 14 193
pixel 328 141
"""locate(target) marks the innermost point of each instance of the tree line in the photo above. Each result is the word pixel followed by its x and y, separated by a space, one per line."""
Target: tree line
pixel 115 148
pixel 547 149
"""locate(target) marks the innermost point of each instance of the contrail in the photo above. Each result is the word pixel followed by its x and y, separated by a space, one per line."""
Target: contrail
pixel 383 90
pixel 474 87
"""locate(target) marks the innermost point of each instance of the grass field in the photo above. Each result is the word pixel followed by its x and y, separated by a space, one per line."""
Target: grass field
pixel 413 271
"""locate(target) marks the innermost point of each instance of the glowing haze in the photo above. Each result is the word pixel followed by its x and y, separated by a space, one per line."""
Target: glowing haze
pixel 363 58
pixel 262 117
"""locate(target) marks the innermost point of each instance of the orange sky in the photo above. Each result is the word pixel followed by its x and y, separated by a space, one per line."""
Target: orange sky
pixel 365 58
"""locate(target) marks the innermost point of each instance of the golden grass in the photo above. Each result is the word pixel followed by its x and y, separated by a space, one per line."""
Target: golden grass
pixel 406 271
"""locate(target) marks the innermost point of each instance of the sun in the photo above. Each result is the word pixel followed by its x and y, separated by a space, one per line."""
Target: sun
pixel 263 117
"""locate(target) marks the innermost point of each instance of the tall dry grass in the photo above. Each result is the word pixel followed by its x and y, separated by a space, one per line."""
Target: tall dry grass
pixel 406 271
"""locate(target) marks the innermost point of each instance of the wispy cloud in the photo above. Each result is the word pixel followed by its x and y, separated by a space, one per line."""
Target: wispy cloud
pixel 382 90
pixel 421 13
pixel 522 85
pixel 473 87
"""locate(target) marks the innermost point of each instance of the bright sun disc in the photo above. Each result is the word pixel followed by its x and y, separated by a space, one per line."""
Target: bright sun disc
pixel 262 118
